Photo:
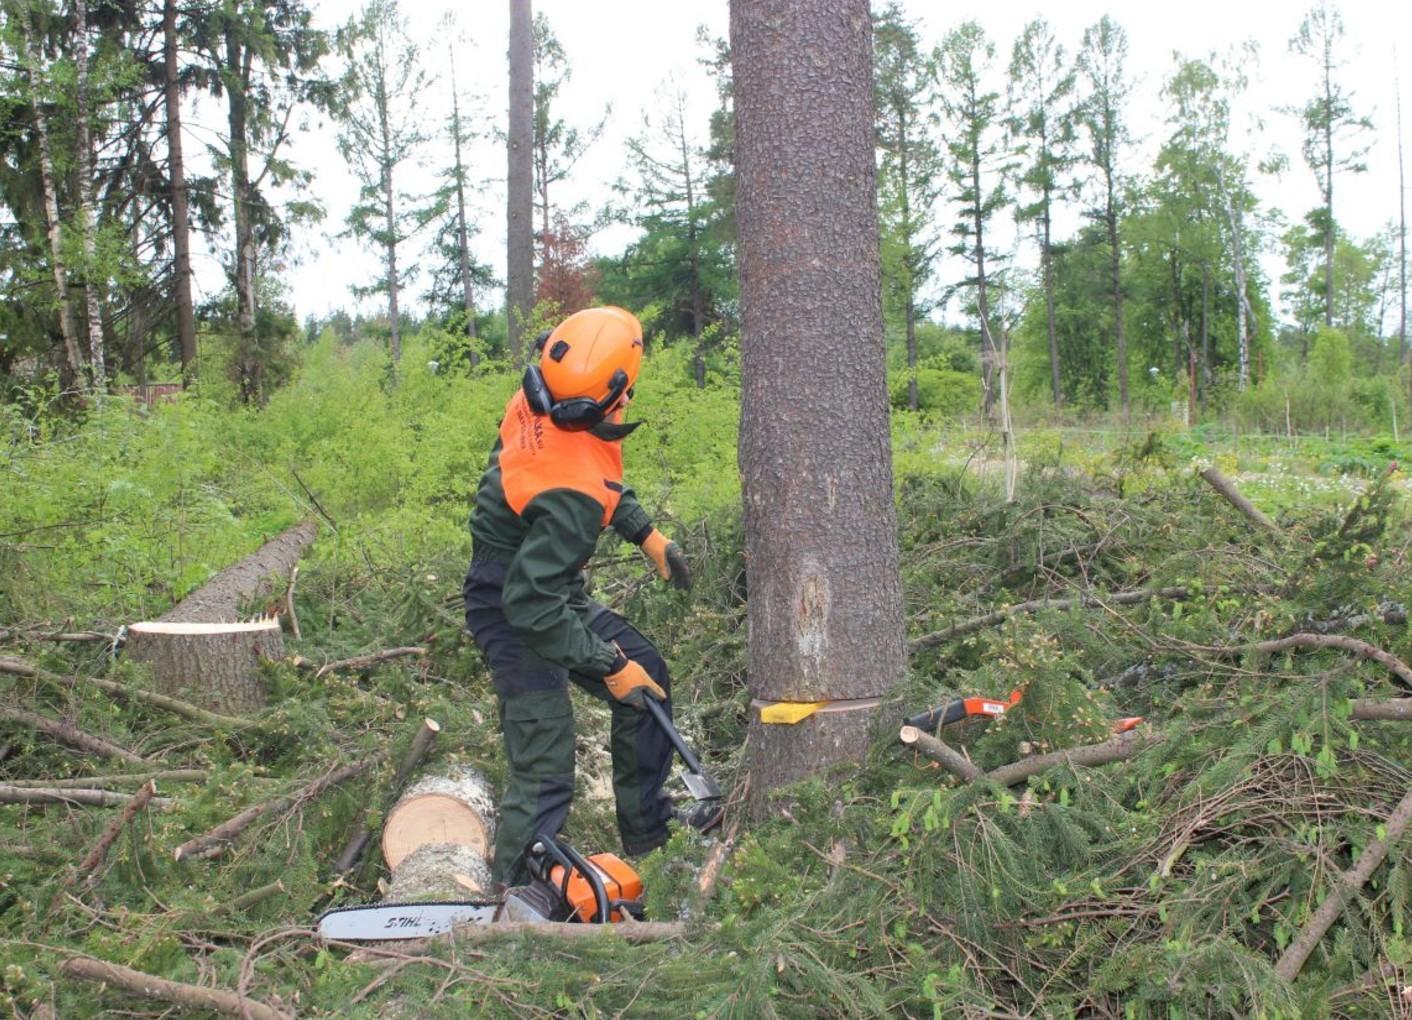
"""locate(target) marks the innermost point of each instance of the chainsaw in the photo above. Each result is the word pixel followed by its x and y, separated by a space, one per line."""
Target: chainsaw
pixel 964 708
pixel 564 885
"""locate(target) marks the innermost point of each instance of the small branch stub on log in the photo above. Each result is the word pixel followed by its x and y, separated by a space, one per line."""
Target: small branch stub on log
pixel 458 807
pixel 214 665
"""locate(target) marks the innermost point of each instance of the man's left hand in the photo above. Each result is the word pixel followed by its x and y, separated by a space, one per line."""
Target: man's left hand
pixel 668 558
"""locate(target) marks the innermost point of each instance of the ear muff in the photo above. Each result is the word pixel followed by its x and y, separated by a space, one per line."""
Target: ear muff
pixel 578 414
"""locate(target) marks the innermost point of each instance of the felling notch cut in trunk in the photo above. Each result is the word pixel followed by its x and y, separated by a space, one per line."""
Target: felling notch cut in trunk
pixel 201 652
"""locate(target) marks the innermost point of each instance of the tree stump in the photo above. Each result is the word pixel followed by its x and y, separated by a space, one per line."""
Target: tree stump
pixel 440 872
pixel 457 807
pixel 213 665
pixel 198 650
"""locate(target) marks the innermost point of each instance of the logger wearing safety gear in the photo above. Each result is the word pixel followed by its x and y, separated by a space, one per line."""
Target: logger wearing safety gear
pixel 553 483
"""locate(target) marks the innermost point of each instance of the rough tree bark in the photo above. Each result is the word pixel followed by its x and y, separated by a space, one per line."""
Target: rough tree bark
pixel 176 172
pixel 440 872
pixel 198 651
pixel 88 217
pixel 815 458
pixel 519 269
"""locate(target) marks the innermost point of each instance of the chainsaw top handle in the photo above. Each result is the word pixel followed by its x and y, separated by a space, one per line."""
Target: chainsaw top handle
pixel 572 861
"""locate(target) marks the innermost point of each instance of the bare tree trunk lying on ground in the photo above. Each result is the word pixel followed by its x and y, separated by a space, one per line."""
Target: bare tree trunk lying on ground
pixel 13 794
pixel 214 843
pixel 200 647
pixel 1233 496
pixel 71 735
pixel 149 986
pixel 1293 959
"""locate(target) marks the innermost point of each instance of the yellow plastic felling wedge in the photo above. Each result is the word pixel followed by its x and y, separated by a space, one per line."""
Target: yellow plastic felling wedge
pixel 789 712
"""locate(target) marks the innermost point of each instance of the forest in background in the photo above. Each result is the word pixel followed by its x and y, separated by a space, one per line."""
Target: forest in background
pixel 1156 302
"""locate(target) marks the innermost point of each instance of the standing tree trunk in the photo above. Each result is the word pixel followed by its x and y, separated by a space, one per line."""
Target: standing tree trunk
pixel 73 359
pixel 389 200
pixel 176 169
pixel 816 468
pixel 237 77
pixel 1115 255
pixel 1046 259
pixel 88 218
pixel 463 248
pixel 1402 241
pixel 519 268
pixel 1328 127
pixel 990 357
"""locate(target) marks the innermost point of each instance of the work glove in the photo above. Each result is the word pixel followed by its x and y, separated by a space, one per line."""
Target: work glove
pixel 630 684
pixel 668 558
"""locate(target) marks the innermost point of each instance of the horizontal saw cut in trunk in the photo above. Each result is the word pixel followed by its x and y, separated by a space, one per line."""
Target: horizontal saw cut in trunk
pixel 201 651
pixel 213 665
pixel 456 807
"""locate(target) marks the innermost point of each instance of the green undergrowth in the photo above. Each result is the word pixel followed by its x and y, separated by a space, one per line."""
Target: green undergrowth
pixel 1166 885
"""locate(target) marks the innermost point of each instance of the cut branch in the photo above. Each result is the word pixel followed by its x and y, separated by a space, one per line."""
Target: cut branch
pixel 1341 642
pixel 214 843
pixel 71 735
pixel 421 744
pixel 36 634
pixel 1120 748
pixel 371 659
pixel 1353 879
pixel 1232 495
pixel 1123 598
pixel 99 853
pixel 929 746
pixel 1391 710
pixel 149 986
pixel 121 779
pixel 12 794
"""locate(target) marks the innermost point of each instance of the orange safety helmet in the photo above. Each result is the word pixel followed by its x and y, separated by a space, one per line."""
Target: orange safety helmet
pixel 585 367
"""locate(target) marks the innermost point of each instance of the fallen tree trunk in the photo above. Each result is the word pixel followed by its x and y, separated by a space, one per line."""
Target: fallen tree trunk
pixel 214 843
pixel 214 665
pixel 71 735
pixel 457 807
pixel 12 794
pixel 199 648
pixel 1390 710
pixel 149 986
pixel 1293 958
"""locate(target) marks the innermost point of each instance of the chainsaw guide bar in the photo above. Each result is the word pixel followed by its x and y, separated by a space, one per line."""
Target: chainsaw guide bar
pixel 393 921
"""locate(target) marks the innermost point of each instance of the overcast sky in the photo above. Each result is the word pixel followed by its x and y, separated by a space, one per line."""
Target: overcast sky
pixel 622 53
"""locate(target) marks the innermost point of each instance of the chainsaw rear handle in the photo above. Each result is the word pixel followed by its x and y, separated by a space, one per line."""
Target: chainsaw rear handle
pixel 673 734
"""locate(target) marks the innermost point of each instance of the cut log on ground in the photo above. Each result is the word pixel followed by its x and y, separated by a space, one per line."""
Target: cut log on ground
pixel 411 761
pixel 199 650
pixel 213 665
pixel 440 872
pixel 1232 495
pixel 149 986
pixel 71 735
pixel 457 807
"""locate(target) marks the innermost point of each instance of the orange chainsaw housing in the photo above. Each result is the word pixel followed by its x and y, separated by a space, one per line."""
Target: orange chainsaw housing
pixel 620 881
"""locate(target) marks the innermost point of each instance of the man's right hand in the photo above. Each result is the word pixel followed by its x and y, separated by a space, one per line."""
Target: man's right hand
pixel 630 683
